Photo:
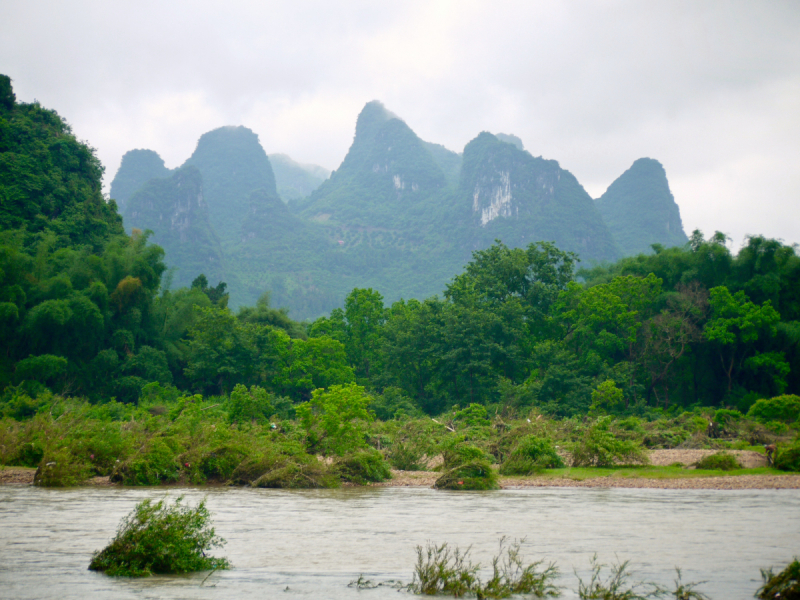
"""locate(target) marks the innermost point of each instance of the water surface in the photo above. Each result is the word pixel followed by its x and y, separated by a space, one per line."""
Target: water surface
pixel 311 543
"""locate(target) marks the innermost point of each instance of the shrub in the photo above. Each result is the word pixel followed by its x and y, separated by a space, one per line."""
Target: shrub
pixel 406 456
pixel 788 459
pixel 599 447
pixel 363 467
pixel 29 454
pixel 161 538
pixel 531 454
pixel 457 452
pixel 725 418
pixel 61 468
pixel 156 464
pixel 781 408
pixel 475 415
pixel 722 461
pixel 220 464
pixel 784 585
pixel 474 475
pixel 297 472
pixel 393 404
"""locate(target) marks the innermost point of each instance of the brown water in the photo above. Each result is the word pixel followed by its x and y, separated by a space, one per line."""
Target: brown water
pixel 315 542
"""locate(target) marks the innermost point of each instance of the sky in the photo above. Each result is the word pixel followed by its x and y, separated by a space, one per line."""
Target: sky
pixel 710 89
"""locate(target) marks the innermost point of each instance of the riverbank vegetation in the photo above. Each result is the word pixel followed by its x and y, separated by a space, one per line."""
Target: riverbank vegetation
pixel 524 364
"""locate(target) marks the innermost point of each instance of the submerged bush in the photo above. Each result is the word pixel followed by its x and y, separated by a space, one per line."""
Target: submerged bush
pixel 616 587
pixel 474 475
pixel 363 467
pixel 510 575
pixel 442 570
pixel 530 455
pixel 161 538
pixel 784 585
pixel 722 461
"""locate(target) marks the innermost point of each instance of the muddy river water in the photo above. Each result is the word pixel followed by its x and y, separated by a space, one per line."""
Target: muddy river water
pixel 310 544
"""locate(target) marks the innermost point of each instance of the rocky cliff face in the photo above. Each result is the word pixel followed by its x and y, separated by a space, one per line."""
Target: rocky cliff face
pixel 521 199
pixel 387 171
pixel 175 210
pixel 640 210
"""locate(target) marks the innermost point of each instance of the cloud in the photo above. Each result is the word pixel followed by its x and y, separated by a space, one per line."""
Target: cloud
pixel 710 89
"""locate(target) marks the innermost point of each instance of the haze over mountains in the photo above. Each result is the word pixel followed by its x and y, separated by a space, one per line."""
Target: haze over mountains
pixel 400 214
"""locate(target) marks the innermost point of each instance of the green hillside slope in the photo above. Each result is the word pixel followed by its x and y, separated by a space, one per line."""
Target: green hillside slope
pixel 175 210
pixel 640 210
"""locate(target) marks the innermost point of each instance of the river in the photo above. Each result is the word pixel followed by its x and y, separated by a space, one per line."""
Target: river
pixel 311 543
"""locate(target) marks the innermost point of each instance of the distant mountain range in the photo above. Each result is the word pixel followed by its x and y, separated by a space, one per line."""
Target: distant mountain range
pixel 400 215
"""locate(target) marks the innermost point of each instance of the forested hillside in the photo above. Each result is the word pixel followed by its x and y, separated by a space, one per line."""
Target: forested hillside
pixel 640 211
pixel 399 214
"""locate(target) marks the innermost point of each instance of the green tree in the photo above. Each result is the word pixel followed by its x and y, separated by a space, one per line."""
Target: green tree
pixel 335 419
pixel 736 323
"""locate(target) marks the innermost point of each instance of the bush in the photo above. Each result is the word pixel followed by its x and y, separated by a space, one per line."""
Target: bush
pixel 788 459
pixel 785 585
pixel 475 415
pixel 61 469
pixel 530 455
pixel 297 472
pixel 599 447
pixel 725 418
pixel 406 456
pixel 474 475
pixel 220 464
pixel 722 461
pixel 159 538
pixel 363 467
pixel 781 408
pixel 156 464
pixel 457 452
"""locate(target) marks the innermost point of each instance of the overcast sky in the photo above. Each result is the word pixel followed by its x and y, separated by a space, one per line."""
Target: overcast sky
pixel 710 89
